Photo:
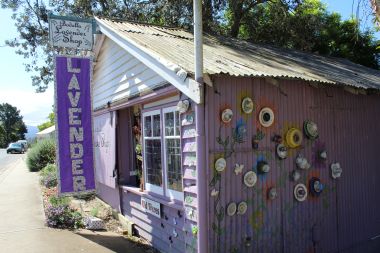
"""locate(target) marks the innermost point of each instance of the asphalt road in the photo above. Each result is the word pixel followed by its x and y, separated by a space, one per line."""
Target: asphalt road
pixel 7 162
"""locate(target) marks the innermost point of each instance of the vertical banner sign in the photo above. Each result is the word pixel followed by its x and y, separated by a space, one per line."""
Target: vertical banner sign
pixel 73 112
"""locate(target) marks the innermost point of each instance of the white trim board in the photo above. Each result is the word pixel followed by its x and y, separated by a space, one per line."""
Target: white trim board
pixel 186 85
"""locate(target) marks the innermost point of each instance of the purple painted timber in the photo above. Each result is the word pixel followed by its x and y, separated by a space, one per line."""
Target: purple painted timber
pixel 157 231
pixel 345 217
pixel 109 195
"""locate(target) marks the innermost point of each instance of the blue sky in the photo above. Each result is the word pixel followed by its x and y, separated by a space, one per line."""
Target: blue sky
pixel 15 83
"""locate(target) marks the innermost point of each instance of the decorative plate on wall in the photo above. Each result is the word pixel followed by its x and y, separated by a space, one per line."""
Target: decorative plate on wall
pixel 300 192
pixel 282 151
pixel 263 167
pixel 294 137
pixel 266 117
pixel 336 170
pixel 316 186
pixel 250 178
pixel 227 115
pixel 242 208
pixel 183 106
pixel 311 129
pixel 231 209
pixel 220 164
pixel 247 105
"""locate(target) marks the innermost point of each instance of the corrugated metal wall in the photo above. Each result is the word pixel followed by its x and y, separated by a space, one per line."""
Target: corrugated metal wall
pixel 118 76
pixel 344 217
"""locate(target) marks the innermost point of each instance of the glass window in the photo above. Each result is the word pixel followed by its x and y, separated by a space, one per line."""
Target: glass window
pixel 156 125
pixel 173 152
pixel 170 142
pixel 148 126
pixel 173 160
pixel 169 124
pixel 153 162
pixel 152 152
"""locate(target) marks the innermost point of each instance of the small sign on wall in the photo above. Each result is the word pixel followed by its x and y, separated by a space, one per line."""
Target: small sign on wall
pixel 151 207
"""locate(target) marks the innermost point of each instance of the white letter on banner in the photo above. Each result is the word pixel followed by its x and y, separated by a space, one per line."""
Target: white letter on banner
pixel 70 68
pixel 74 99
pixel 73 118
pixel 76 167
pixel 74 85
pixel 76 134
pixel 76 150
pixel 79 183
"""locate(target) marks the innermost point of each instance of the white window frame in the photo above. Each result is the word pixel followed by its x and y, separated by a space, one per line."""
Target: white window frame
pixel 148 186
pixel 164 190
pixel 172 194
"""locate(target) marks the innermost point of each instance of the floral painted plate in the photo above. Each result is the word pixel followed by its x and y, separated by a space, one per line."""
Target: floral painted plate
pixel 250 178
pixel 242 208
pixel 227 115
pixel 220 164
pixel 247 105
pixel 231 209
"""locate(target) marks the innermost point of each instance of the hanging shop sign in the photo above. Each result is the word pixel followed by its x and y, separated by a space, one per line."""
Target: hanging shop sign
pixel 71 32
pixel 74 126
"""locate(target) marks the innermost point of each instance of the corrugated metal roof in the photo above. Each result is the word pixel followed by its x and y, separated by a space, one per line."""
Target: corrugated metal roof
pixel 240 58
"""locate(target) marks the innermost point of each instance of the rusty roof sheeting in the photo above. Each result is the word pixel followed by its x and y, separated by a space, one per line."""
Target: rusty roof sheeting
pixel 240 58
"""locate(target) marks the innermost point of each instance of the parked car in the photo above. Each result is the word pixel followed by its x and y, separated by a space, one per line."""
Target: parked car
pixel 24 143
pixel 15 148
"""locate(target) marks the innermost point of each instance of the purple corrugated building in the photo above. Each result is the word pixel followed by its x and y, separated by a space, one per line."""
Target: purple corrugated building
pixel 287 143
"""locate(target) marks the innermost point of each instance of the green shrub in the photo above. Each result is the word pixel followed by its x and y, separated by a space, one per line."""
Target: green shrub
pixel 59 201
pixel 94 211
pixel 85 196
pixel 49 176
pixel 41 155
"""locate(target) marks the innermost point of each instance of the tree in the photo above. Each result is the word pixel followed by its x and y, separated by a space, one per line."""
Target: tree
pixel 310 27
pixel 299 24
pixel 13 127
pixel 49 123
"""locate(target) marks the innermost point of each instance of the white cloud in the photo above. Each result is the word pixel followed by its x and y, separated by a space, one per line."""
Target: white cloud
pixel 34 107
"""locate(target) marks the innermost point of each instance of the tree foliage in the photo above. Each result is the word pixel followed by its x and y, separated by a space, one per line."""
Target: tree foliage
pixel 12 127
pixel 299 24
pixel 49 123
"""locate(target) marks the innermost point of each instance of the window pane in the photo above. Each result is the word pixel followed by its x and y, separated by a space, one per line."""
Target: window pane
pixel 156 125
pixel 173 157
pixel 153 162
pixel 147 126
pixel 177 132
pixel 169 124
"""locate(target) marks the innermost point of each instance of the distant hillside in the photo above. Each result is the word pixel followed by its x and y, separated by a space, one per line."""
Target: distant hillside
pixel 31 134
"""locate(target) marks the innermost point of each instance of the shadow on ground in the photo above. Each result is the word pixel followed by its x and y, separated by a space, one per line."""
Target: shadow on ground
pixel 113 242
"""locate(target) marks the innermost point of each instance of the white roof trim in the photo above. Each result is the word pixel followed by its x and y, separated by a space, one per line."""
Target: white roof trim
pixel 169 71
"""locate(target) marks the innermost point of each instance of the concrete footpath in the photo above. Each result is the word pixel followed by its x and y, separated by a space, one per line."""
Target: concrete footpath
pixel 22 223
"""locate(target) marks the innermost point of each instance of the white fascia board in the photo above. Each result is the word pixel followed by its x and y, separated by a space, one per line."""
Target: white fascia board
pixel 99 39
pixel 188 86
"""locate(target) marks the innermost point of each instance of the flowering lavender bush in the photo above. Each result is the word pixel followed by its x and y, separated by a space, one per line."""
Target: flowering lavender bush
pixel 62 216
pixel 49 176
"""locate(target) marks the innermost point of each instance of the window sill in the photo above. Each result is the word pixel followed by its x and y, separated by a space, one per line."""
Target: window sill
pixel 136 190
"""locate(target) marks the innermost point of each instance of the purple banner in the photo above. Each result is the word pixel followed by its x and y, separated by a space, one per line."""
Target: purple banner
pixel 74 128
